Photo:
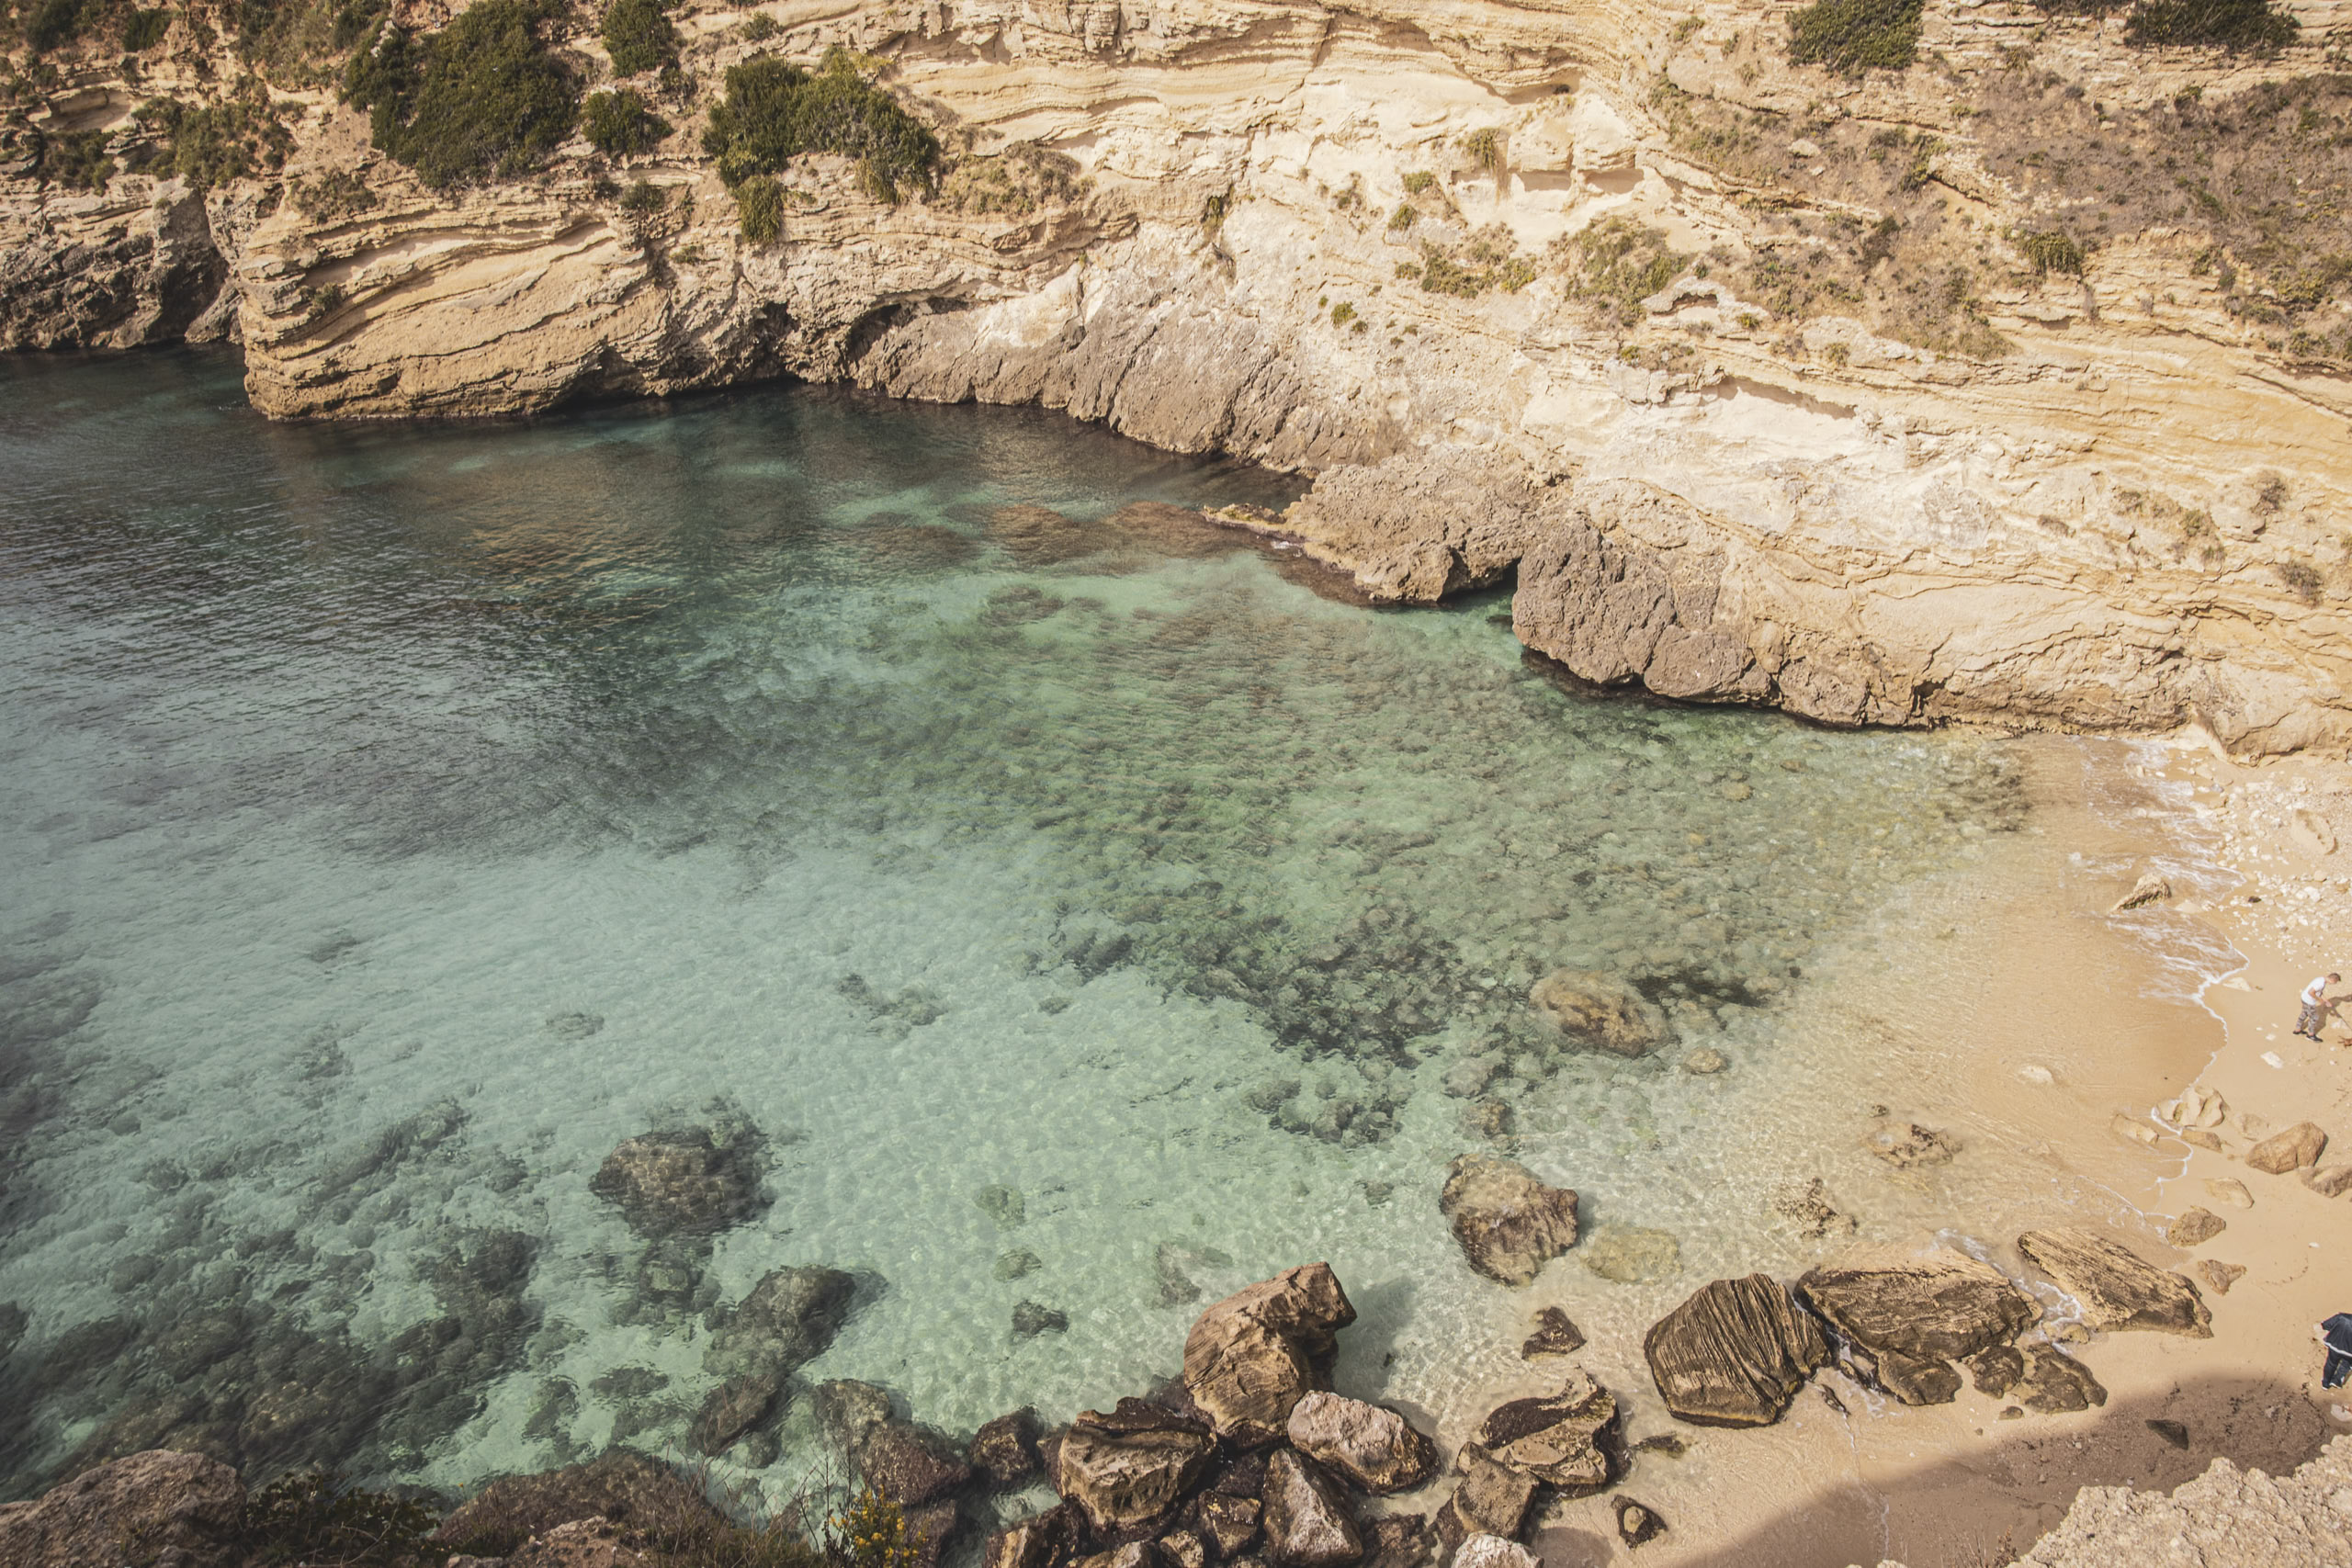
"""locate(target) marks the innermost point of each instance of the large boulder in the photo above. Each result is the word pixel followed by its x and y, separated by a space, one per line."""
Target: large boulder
pixel 1127 1470
pixel 1306 1520
pixel 2298 1147
pixel 1005 1450
pixel 1508 1224
pixel 1600 1009
pixel 627 1488
pixel 1735 1353
pixel 1048 1540
pixel 789 1318
pixel 908 1465
pixel 1913 1314
pixel 1229 1524
pixel 1368 1445
pixel 2115 1287
pixel 683 1182
pixel 1252 1356
pixel 1557 1439
pixel 1491 1499
pixel 732 1409
pixel 155 1509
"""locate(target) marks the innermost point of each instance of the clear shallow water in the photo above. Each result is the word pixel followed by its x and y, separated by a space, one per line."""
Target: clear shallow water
pixel 393 821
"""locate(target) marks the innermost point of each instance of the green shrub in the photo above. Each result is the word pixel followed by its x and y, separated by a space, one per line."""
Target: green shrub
pixel 143 30
pixel 482 97
pixel 2257 26
pixel 2050 253
pixel 619 124
pixel 1485 148
pixel 332 197
pixel 76 158
pixel 1617 261
pixel 1404 216
pixel 1418 181
pixel 52 22
pixel 643 198
pixel 759 208
pixel 774 111
pixel 211 144
pixel 1343 313
pixel 1853 35
pixel 759 28
pixel 639 36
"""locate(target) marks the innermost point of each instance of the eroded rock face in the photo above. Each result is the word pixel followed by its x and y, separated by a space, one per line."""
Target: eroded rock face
pixel 1251 1357
pixel 157 1509
pixel 1491 1499
pixel 1127 1470
pixel 1555 1438
pixel 1942 1306
pixel 1048 1540
pixel 2297 1148
pixel 2117 1288
pixel 1005 1450
pixel 681 1182
pixel 1494 1552
pixel 1507 1223
pixel 908 1465
pixel 1306 1519
pixel 1734 1354
pixel 2053 1382
pixel 1600 1009
pixel 1369 1446
pixel 1551 1333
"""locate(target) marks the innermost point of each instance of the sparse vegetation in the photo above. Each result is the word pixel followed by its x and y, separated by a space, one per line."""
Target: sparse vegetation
pixel 1483 148
pixel 2050 251
pixel 211 144
pixel 143 30
pixel 2253 26
pixel 643 199
pixel 1418 180
pixel 51 23
pixel 2301 579
pixel 1616 263
pixel 1016 181
pixel 1851 36
pixel 759 208
pixel 621 124
pixel 75 158
pixel 332 197
pixel 1343 313
pixel 774 111
pixel 759 27
pixel 2270 495
pixel 638 36
pixel 1404 218
pixel 480 98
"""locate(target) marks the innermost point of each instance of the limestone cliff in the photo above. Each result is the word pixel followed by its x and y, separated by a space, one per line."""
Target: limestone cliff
pixel 2010 386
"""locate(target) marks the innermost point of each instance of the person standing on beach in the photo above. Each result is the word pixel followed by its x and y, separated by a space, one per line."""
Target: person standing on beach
pixel 2316 1007
pixel 2336 1334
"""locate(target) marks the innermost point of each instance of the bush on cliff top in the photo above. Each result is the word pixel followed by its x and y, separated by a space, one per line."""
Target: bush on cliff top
pixel 1851 36
pixel 480 98
pixel 774 111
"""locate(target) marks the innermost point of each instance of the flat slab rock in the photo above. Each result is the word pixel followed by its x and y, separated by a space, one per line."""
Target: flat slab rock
pixel 1508 1224
pixel 1556 1439
pixel 2116 1287
pixel 1735 1353
pixel 1937 1306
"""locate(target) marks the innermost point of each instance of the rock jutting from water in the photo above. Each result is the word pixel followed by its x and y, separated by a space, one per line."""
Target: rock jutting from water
pixel 1508 1224
pixel 1251 1357
pixel 1735 1353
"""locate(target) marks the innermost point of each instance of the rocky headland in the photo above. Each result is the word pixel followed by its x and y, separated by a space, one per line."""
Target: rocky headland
pixel 1959 362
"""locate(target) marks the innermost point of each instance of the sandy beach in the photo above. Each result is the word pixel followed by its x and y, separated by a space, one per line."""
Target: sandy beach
pixel 2039 1035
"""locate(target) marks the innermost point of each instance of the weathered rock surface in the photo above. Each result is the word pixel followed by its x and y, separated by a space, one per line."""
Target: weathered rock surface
pixel 2220 1275
pixel 1735 1353
pixel 2227 1517
pixel 1508 1224
pixel 1494 1552
pixel 2195 1228
pixel 789 1318
pixel 1005 1450
pixel 1912 1309
pixel 1051 1540
pixel 1551 1333
pixel 2116 1287
pixel 1632 1255
pixel 2294 1149
pixel 1491 1499
pixel 2053 1382
pixel 1399 1541
pixel 683 1182
pixel 908 1465
pixel 623 1487
pixel 1368 1446
pixel 155 1509
pixel 593 1543
pixel 1252 1356
pixel 1306 1519
pixel 1600 1009
pixel 1128 1470
pixel 1638 1524
pixel 1555 1438
pixel 1227 1523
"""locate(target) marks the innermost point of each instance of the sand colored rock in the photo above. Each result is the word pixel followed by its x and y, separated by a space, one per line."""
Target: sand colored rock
pixel 1941 1305
pixel 594 1542
pixel 1306 1520
pixel 2228 1191
pixel 1509 1222
pixel 1127 1470
pixel 1600 1009
pixel 2151 888
pixel 1491 1499
pixel 1632 1255
pixel 1046 1541
pixel 2220 1275
pixel 1734 1354
pixel 1557 1439
pixel 155 1509
pixel 2227 1517
pixel 2116 1287
pixel 1369 1446
pixel 1494 1552
pixel 1251 1357
pixel 2299 1146
pixel 2195 1228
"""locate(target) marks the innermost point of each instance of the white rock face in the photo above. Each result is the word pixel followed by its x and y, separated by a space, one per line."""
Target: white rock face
pixel 1494 1552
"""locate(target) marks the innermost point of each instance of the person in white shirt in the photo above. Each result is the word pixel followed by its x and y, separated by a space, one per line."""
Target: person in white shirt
pixel 2316 1006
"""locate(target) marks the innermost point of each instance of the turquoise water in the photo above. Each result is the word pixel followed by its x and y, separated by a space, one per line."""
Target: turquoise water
pixel 1042 897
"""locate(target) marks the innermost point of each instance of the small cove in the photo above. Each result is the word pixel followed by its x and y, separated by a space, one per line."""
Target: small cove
pixel 1051 899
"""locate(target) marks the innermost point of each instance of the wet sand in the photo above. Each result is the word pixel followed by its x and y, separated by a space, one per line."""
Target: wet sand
pixel 2025 1029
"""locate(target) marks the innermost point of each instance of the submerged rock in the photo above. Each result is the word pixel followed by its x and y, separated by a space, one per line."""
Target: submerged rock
pixel 1600 1009
pixel 1905 1145
pixel 732 1409
pixel 2116 1287
pixel 1551 1333
pixel 1734 1354
pixel 1369 1446
pixel 1556 1440
pixel 1507 1223
pixel 1251 1357
pixel 1809 1204
pixel 789 1318
pixel 1306 1520
pixel 1637 1523
pixel 1030 1319
pixel 683 1182
pixel 1630 1255
pixel 168 1510
pixel 1127 1470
